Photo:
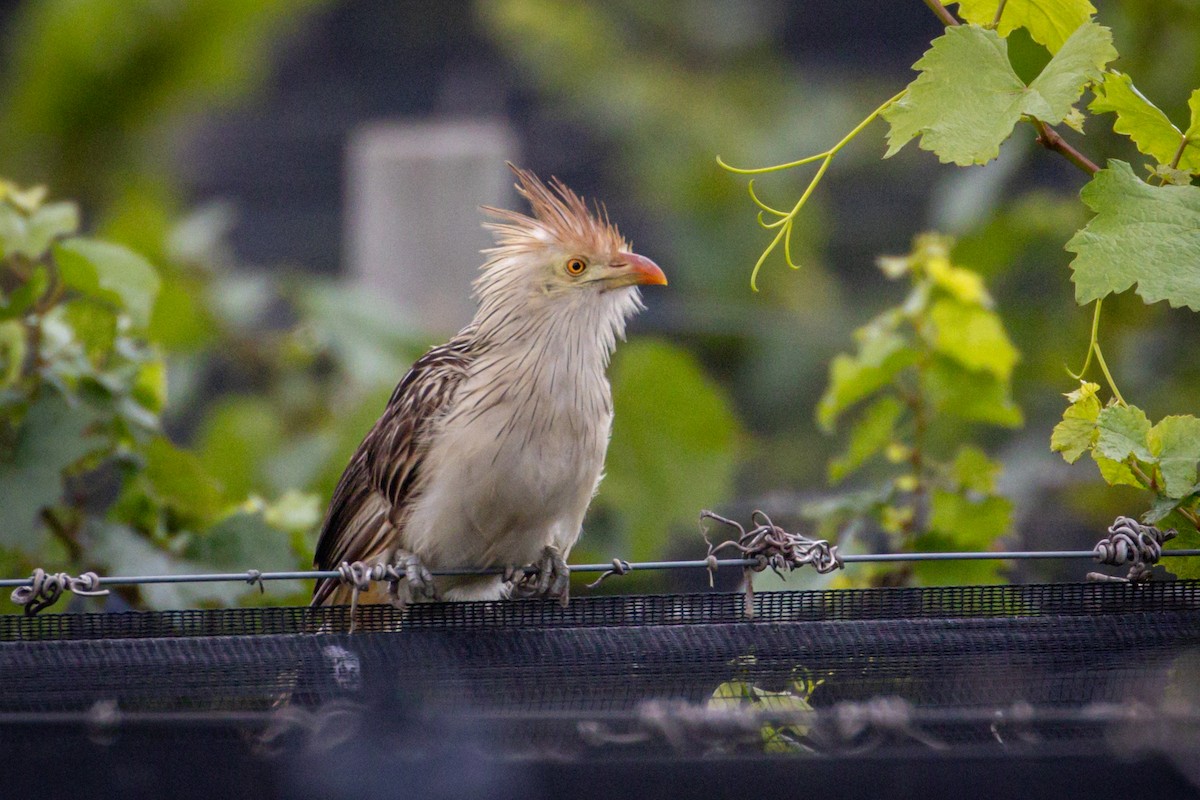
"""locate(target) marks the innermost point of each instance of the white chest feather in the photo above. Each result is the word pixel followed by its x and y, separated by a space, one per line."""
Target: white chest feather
pixel 515 462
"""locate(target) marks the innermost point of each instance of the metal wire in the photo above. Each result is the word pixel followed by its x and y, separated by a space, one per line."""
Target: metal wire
pixel 255 576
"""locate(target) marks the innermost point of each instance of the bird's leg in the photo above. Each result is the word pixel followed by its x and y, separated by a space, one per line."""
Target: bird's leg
pixel 548 577
pixel 420 579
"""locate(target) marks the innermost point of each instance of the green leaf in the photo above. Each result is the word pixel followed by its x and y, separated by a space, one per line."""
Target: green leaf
pixel 1175 442
pixel 973 336
pixel 31 236
pixel 674 444
pixel 1188 538
pixel 1116 473
pixel 116 549
pixel 13 349
pixel 958 523
pixel 1144 123
pixel 1077 64
pixel 178 479
pixel 1049 22
pixel 236 438
pixel 1159 509
pixel 110 272
pixel 852 378
pixel 872 432
pixel 974 471
pixel 970 395
pixel 1124 432
pixel 242 541
pixel 1143 234
pixel 967 99
pixel 52 437
pixel 1077 431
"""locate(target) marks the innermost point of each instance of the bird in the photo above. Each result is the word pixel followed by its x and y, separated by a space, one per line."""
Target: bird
pixel 492 445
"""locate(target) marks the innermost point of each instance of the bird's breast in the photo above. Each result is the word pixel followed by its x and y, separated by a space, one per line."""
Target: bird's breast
pixel 513 465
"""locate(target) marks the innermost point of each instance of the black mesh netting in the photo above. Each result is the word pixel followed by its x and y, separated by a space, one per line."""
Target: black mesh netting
pixel 1069 670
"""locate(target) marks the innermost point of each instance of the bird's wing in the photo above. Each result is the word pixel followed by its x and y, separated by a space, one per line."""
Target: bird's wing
pixel 379 481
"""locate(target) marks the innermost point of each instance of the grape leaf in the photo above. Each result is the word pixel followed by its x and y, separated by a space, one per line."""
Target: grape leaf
pixel 959 523
pixel 178 478
pixel 974 471
pixel 970 395
pixel 1116 473
pixel 973 336
pixel 1077 431
pixel 852 378
pixel 1049 22
pixel 967 98
pixel 1143 234
pixel 110 272
pixel 1175 442
pixel 870 434
pixel 1124 432
pixel 53 436
pixel 1143 122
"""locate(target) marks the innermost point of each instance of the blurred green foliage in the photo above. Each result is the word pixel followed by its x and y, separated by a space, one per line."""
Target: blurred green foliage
pixel 921 369
pixel 273 377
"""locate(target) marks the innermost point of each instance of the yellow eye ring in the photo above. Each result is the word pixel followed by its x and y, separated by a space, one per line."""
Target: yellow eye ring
pixel 576 266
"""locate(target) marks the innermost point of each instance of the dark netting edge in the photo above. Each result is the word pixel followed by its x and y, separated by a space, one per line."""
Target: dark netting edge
pixel 1035 600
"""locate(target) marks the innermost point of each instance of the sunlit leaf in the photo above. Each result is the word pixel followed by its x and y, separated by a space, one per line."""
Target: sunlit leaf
pixel 1076 433
pixel 1124 432
pixel 967 98
pixel 1144 123
pixel 1049 22
pixel 870 434
pixel 970 395
pixel 1175 442
pixel 854 378
pixel 110 272
pixel 973 336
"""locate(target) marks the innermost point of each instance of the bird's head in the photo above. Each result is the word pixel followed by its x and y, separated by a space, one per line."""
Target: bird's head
pixel 564 256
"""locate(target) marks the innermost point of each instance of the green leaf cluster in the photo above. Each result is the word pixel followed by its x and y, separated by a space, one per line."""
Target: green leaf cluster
pixel 88 478
pixel 939 359
pixel 968 98
pixel 1160 458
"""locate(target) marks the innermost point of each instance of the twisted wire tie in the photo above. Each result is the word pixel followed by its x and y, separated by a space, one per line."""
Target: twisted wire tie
pixel 1130 542
pixel 254 578
pixel 769 546
pixel 45 588
pixel 619 567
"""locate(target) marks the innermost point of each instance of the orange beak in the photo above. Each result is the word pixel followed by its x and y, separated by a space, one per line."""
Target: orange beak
pixel 640 271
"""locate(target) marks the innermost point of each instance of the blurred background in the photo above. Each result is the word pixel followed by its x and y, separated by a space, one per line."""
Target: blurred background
pixel 305 174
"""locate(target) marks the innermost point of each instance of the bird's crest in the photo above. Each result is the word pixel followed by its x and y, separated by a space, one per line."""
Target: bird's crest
pixel 559 217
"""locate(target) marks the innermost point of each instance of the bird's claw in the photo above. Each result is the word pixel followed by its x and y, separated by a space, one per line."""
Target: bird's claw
pixel 419 579
pixel 550 577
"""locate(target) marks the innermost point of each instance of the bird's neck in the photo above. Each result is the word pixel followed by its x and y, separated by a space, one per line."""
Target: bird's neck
pixel 582 329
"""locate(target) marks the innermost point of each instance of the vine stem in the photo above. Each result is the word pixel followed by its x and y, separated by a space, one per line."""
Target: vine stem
pixel 784 223
pixel 1087 362
pixel 999 13
pixel 1094 350
pixel 943 13
pixel 1051 140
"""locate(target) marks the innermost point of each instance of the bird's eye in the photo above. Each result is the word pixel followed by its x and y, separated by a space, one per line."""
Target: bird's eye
pixel 576 266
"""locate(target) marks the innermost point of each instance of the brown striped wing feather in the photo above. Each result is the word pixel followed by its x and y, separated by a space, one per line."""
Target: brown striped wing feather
pixel 378 484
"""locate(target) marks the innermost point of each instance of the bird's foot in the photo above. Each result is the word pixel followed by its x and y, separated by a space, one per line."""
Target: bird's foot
pixel 419 579
pixel 549 577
